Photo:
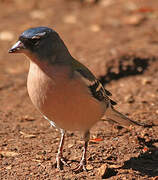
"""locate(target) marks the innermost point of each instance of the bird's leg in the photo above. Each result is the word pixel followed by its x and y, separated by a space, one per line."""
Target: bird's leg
pixel 59 158
pixel 82 165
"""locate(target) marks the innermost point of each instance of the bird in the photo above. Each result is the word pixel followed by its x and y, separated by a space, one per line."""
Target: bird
pixel 63 90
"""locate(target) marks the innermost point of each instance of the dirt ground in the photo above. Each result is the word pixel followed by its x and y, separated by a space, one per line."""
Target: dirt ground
pixel 118 41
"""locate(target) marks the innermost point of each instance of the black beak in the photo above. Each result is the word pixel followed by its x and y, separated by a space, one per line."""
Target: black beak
pixel 17 48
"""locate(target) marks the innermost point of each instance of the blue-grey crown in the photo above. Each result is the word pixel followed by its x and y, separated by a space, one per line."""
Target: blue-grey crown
pixel 33 32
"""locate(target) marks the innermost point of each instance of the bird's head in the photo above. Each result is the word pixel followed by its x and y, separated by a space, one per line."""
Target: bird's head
pixel 41 42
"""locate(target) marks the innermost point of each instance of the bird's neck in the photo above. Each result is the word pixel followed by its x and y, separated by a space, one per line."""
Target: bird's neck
pixel 61 59
pixel 62 56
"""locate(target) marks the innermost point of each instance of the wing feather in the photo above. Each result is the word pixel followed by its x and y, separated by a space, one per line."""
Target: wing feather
pixel 96 88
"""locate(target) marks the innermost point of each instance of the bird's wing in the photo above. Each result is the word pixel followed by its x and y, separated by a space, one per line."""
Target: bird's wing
pixel 94 85
pixel 101 94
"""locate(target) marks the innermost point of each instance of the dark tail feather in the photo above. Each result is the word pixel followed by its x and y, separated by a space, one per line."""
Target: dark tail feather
pixel 115 116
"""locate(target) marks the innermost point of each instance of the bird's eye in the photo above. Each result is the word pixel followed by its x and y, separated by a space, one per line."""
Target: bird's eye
pixel 35 41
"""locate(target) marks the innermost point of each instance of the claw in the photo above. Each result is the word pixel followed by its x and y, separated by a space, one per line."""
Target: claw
pixel 80 167
pixel 60 162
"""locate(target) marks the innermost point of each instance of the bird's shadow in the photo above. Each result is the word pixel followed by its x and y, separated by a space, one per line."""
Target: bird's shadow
pixel 147 162
pixel 127 65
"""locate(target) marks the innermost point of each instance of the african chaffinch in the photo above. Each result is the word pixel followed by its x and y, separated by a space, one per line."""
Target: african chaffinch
pixel 65 91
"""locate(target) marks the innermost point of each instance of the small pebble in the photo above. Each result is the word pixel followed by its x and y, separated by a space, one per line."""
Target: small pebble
pixel 39 157
pixel 8 167
pixel 70 19
pixel 129 98
pixel 146 80
pixel 27 135
pixel 70 146
pixel 95 28
pixel 89 167
pixel 9 153
pixel 102 170
pixel 27 118
pixel 136 19
pixel 37 14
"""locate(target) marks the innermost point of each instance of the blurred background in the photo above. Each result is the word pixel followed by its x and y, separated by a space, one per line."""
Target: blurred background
pixel 118 41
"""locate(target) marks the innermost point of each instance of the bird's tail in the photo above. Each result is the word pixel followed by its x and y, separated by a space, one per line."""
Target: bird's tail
pixel 113 115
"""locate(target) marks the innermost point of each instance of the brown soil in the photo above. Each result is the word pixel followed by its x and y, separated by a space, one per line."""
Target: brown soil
pixel 118 41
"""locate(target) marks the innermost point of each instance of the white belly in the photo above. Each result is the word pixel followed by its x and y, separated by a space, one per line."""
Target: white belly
pixel 65 101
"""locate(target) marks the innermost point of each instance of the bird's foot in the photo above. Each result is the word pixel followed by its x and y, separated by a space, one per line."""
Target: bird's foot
pixel 61 161
pixel 81 166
